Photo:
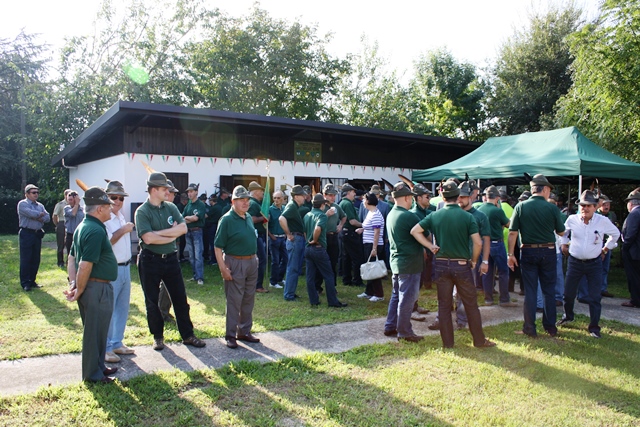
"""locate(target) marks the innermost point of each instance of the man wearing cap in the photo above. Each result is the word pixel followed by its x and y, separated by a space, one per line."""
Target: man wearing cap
pixel 586 232
pixel 453 228
pixel 605 210
pixel 307 199
pixel 335 222
pixel 316 256
pixel 119 234
pixel 407 262
pixel 352 247
pixel 212 216
pixel 535 221
pixel 31 218
pixel 92 266
pixel 498 255
pixel 421 208
pixel 159 224
pixel 58 222
pixel 73 216
pixel 194 215
pixel 293 228
pixel 631 248
pixel 260 223
pixel 277 240
pixel 235 247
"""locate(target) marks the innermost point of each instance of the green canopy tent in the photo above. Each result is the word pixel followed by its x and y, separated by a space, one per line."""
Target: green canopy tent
pixel 562 155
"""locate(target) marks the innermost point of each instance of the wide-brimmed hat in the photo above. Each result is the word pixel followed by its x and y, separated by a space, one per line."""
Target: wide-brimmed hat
pixel 421 190
pixel 465 189
pixel 540 179
pixel 492 192
pixel 30 187
pixel 239 192
pixel 319 200
pixel 401 189
pixel 588 197
pixel 330 189
pixel 604 198
pixel 157 179
pixel 224 191
pixel 297 190
pixel 253 185
pixel 375 189
pixel 115 188
pixel 450 189
pixel 193 187
pixel 172 187
pixel 525 195
pixel 634 195
pixel 213 197
pixel 347 187
pixel 96 196
pixel 473 184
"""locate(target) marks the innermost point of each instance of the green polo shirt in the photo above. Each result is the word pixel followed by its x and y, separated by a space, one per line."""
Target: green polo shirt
pixel 333 220
pixel 195 208
pixel 536 220
pixel 274 220
pixel 316 218
pixel 90 243
pixel 213 214
pixel 236 235
pixel 419 211
pixel 452 227
pixel 407 255
pixel 350 212
pixel 150 218
pixel 292 214
pixel 255 209
pixel 483 225
pixel 497 219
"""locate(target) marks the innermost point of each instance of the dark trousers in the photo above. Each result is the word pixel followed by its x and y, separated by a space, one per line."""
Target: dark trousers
pixel 352 251
pixel 448 275
pixel 60 234
pixel 278 251
pixel 164 301
pixel 632 270
pixel 333 250
pixel 576 270
pixel 153 269
pixel 262 260
pixel 318 261
pixel 539 265
pixel 30 246
pixel 206 253
pixel 182 243
pixel 96 307
pixel 68 241
pixel 374 287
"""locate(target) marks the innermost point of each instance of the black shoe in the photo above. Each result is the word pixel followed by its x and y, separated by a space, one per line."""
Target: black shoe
pixel 435 326
pixel 26 288
pixel 296 296
pixel 411 338
pixel 391 333
pixel 248 338
pixel 320 290
pixel 231 342
pixel 596 334
pixel 35 286
pixel 552 334
pixel 339 305
pixel 582 301
pixel 564 321
pixel 607 294
pixel 539 310
pixel 193 341
pixel 109 371
pixel 61 265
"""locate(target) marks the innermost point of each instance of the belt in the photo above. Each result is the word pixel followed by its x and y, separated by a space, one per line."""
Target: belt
pixel 295 233
pixel 496 241
pixel 584 260
pixel 331 233
pixel 452 259
pixel 539 245
pixel 194 229
pixel 279 235
pixel 30 230
pixel 317 245
pixel 155 255
pixel 242 256
pixel 93 279
pixel 124 264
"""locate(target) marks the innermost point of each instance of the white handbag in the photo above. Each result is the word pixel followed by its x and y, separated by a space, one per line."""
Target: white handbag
pixel 372 270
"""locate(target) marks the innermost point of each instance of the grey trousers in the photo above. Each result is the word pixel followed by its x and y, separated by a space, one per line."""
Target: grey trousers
pixel 240 293
pixel 96 306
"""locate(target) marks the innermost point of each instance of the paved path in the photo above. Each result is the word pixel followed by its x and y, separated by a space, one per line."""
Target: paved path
pixel 27 375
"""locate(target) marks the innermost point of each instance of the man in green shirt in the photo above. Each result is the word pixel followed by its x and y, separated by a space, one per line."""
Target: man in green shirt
pixel 159 224
pixel 236 247
pixel 91 267
pixel 315 254
pixel 452 228
pixel 260 223
pixel 352 249
pixel 291 224
pixel 194 215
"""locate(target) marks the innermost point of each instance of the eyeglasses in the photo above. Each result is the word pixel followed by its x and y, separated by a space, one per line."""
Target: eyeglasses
pixel 121 198
pixel 34 192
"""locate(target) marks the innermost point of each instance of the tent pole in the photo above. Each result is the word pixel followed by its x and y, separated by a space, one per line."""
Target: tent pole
pixel 579 185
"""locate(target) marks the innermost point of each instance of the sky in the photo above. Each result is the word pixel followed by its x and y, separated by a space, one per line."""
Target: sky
pixel 472 30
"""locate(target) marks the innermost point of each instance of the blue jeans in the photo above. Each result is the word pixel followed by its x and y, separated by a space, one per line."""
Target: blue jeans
pixel 404 294
pixel 539 264
pixel 279 258
pixel 606 263
pixel 262 260
pixel 576 270
pixel 450 274
pixel 559 277
pixel 30 246
pixel 295 251
pixel 121 296
pixel 318 261
pixel 497 260
pixel 194 243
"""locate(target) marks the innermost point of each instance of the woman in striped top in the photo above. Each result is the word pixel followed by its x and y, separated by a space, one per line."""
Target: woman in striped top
pixel 373 238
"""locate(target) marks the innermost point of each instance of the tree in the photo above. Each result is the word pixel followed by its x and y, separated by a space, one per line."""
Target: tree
pixel 604 100
pixel 532 72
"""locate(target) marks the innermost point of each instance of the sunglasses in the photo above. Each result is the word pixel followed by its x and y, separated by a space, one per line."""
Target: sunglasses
pixel 34 192
pixel 121 198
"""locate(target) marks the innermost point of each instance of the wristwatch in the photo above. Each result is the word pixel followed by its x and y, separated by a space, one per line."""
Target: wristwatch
pixel 484 261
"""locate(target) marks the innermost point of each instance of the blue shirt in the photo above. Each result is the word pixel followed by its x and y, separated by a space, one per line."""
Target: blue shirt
pixel 71 222
pixel 29 214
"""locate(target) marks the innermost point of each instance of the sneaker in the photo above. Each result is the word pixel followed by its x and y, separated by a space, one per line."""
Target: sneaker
pixel 376 299
pixel 124 350
pixel 275 285
pixel 364 295
pixel 200 282
pixel 196 342
pixel 563 321
pixel 158 344
pixel 111 357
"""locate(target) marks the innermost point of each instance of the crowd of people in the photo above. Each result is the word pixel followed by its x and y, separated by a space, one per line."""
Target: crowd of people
pixel 454 241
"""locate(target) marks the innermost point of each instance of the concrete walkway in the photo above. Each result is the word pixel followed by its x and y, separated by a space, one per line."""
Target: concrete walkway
pixel 27 375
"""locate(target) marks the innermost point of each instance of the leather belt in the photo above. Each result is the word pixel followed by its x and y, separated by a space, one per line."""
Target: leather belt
pixel 30 230
pixel 242 256
pixel 155 255
pixel 496 241
pixel 585 260
pixel 452 259
pixel 295 233
pixel 279 235
pixel 124 264
pixel 93 279
pixel 194 229
pixel 539 245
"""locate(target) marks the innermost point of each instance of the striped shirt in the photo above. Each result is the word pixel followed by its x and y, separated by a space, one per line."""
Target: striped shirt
pixel 372 221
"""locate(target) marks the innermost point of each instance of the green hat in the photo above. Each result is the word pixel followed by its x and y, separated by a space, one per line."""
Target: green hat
pixel 525 195
pixel 172 187
pixel 330 189
pixel 450 189
pixel 213 197
pixel 193 187
pixel 465 189
pixel 253 185
pixel 634 195
pixel 401 189
pixel 473 185
pixel 115 188
pixel 421 190
pixel 375 189
pixel 540 179
pixel 588 197
pixel 347 187
pixel 240 193
pixel 297 190
pixel 492 192
pixel 158 179
pixel 96 196
pixel 604 199
pixel 318 200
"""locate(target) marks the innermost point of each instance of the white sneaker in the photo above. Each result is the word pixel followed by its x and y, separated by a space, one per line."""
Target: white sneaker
pixel 200 282
pixel 277 286
pixel 364 295
pixel 124 350
pixel 111 357
pixel 376 299
pixel 191 280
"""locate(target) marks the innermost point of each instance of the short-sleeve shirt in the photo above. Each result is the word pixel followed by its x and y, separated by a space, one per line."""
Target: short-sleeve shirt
pixel 255 209
pixel 374 220
pixel 91 244
pixel 452 227
pixel 333 220
pixel 121 248
pixel 58 210
pixel 214 213
pixel 497 219
pixel 483 225
pixel 150 218
pixel 71 222
pixel 236 235
pixel 536 220
pixel 195 208
pixel 406 254
pixel 419 211
pixel 292 214
pixel 350 211
pixel 274 220
pixel 316 218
